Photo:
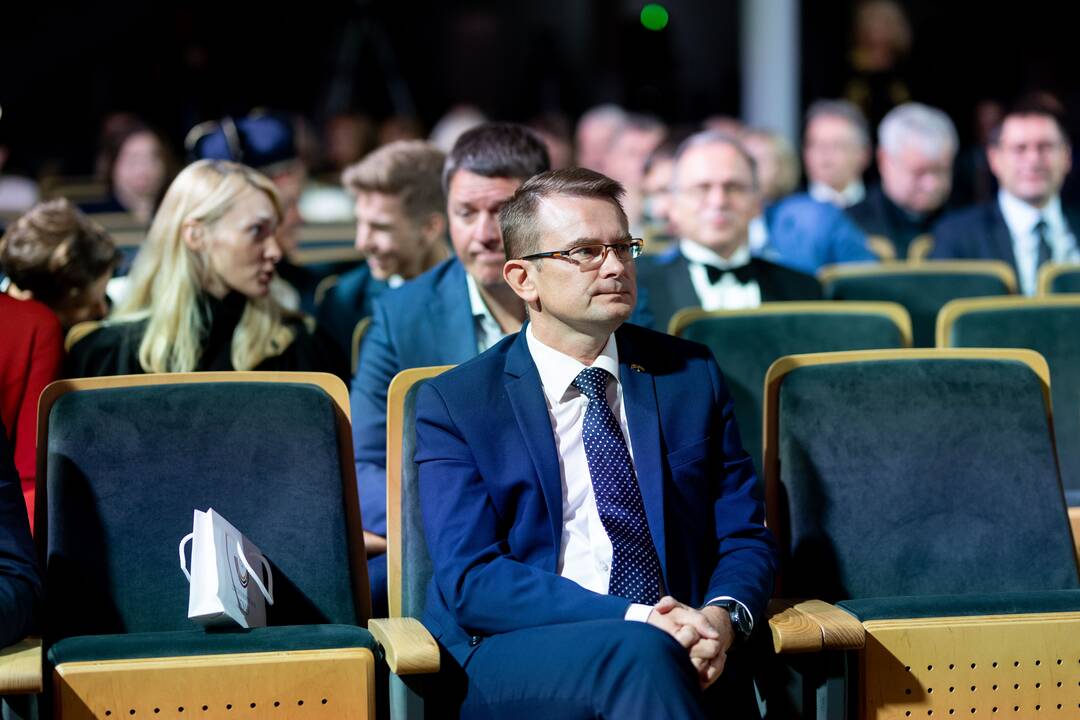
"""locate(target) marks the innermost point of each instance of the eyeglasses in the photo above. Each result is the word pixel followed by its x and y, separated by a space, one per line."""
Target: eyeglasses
pixel 592 256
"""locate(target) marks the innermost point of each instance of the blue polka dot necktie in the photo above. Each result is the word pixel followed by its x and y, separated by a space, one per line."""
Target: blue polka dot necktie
pixel 635 569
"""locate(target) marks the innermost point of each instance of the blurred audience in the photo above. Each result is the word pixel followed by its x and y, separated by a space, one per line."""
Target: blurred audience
pixel 554 130
pixel 592 138
pixel 1027 225
pixel 836 152
pixel 624 161
pixel 200 288
pixel 400 227
pixel 137 166
pixel 657 172
pixel 56 255
pixel 715 196
pixel 882 40
pixel 916 148
pixel 795 230
pixel 456 122
pixel 17 194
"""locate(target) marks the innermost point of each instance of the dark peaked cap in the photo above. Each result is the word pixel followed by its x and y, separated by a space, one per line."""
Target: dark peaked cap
pixel 260 140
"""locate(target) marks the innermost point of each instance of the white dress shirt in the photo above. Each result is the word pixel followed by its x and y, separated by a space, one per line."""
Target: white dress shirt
pixel 488 331
pixel 585 552
pixel 1021 219
pixel 853 194
pixel 728 293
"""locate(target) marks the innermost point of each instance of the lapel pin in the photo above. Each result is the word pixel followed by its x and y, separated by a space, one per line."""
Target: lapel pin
pixel 636 368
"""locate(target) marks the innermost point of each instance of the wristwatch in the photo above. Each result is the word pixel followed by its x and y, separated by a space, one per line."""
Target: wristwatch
pixel 740 620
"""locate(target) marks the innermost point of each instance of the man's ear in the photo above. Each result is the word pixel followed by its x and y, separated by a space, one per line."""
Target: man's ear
pixel 433 228
pixel 194 235
pixel 520 275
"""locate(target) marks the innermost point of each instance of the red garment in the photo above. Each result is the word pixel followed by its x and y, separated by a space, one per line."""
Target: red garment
pixel 31 355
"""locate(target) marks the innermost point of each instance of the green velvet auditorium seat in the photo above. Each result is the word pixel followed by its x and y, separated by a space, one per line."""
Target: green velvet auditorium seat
pixel 746 342
pixel 413 691
pixel 1056 278
pixel 1050 326
pixel 123 462
pixel 923 288
pixel 918 490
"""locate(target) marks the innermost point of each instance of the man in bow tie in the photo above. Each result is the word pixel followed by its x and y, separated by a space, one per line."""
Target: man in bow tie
pixel 715 195
pixel 595 526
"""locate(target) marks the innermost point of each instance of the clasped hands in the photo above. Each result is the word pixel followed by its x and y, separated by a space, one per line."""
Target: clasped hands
pixel 706 634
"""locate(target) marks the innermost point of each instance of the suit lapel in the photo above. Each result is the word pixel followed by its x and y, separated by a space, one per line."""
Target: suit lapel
pixel 643 419
pixel 531 412
pixel 451 319
pixel 1001 237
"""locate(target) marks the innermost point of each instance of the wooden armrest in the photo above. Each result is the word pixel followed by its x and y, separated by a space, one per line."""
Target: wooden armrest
pixel 20 668
pixel 409 647
pixel 800 626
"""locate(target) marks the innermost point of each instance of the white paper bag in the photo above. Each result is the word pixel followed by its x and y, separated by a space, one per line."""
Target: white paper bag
pixel 224 586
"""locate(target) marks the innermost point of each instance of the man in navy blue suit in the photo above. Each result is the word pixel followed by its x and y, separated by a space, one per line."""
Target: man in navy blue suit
pixel 447 315
pixel 1027 225
pixel 594 524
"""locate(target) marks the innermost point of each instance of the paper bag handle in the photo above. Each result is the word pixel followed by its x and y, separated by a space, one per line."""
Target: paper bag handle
pixel 268 594
pixel 183 557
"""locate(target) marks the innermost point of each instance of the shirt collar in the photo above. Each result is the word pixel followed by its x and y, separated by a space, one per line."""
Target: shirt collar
pixel 557 370
pixel 698 253
pixel 1021 216
pixel 476 303
pixel 850 195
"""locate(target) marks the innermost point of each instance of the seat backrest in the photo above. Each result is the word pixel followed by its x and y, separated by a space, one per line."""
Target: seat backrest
pixel 1059 278
pixel 746 342
pixel 408 562
pixel 921 288
pixel 1049 326
pixel 124 468
pixel 909 473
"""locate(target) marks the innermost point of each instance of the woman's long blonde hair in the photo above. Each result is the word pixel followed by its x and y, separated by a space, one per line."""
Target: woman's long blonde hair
pixel 168 277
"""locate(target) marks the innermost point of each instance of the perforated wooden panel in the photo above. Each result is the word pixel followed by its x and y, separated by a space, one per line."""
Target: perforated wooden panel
pixel 1002 666
pixel 312 684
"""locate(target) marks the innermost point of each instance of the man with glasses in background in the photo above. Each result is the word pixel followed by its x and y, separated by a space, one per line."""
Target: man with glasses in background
pixel 1027 225
pixel 595 526
pixel 715 196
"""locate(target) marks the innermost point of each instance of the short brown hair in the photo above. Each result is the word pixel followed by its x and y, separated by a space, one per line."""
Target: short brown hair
pixel 54 251
pixel 408 169
pixel 517 218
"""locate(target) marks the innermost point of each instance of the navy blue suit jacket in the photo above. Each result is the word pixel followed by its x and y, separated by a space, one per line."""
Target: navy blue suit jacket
pixel 20 585
pixel 980 233
pixel 347 303
pixel 426 321
pixel 491 491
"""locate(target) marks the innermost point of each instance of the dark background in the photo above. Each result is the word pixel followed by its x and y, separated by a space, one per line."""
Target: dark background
pixel 65 64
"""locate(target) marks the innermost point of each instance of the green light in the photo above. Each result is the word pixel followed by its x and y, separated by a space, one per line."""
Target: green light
pixel 654 16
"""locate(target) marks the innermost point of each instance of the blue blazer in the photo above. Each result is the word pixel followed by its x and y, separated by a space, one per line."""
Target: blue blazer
pixel 491 492
pixel 20 584
pixel 426 321
pixel 805 235
pixel 351 300
pixel 980 233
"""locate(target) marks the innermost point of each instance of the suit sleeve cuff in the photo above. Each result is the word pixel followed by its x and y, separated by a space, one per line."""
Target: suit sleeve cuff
pixel 638 612
pixel 720 598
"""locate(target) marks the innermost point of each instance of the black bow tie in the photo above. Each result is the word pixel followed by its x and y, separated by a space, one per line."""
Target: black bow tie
pixel 743 273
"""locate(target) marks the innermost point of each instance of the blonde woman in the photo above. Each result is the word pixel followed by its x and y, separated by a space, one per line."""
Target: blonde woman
pixel 199 296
